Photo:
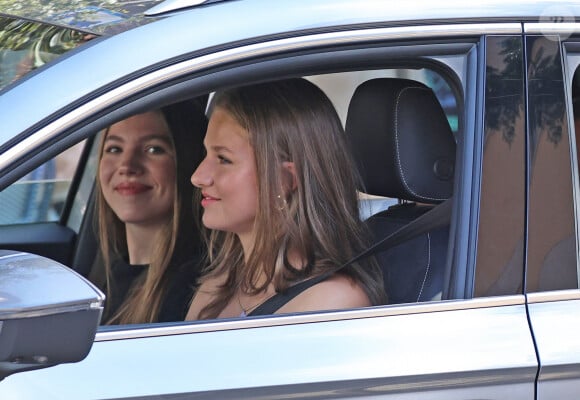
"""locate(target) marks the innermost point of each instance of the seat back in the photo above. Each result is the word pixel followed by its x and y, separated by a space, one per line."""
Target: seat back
pixel 405 149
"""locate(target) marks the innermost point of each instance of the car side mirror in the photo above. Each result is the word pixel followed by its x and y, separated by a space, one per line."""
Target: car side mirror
pixel 49 314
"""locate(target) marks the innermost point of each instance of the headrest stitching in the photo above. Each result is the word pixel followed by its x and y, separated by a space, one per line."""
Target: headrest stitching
pixel 399 165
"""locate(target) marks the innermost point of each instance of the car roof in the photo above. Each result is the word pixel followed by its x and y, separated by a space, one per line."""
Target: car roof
pixel 115 16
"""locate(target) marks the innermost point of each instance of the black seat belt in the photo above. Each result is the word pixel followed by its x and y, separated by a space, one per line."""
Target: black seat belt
pixel 437 217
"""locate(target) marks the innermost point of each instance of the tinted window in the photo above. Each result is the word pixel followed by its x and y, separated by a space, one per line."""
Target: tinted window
pixel 499 269
pixel 551 259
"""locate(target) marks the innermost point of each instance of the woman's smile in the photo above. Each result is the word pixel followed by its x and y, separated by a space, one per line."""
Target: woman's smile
pixel 137 169
pixel 227 176
pixel 208 200
pixel 132 188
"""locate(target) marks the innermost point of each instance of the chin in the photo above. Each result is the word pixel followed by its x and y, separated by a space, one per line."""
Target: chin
pixel 213 225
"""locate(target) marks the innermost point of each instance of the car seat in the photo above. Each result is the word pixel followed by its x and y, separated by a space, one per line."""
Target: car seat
pixel 405 149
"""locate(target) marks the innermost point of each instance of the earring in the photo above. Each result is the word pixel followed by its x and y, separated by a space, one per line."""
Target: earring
pixel 281 202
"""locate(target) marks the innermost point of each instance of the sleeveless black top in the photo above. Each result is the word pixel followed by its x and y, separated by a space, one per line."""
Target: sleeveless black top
pixel 276 302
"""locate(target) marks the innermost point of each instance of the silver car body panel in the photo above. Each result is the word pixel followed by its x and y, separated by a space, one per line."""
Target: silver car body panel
pixel 320 14
pixel 404 355
pixel 555 321
pixel 306 318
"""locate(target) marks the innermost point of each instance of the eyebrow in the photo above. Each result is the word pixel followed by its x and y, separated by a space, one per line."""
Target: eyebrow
pixel 218 148
pixel 154 136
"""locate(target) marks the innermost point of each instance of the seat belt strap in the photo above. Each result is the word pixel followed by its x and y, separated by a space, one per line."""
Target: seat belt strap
pixel 437 217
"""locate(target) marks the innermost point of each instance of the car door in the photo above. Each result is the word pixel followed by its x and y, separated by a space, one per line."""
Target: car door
pixel 475 343
pixel 552 266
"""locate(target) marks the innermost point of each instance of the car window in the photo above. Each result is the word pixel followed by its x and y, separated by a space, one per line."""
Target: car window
pixel 40 195
pixel 552 243
pixel 415 270
pixel 500 263
pixel 510 157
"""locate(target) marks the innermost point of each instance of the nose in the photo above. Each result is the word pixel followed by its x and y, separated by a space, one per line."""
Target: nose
pixel 130 163
pixel 202 177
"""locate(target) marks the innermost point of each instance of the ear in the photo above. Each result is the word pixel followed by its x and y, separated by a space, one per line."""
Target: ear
pixel 289 176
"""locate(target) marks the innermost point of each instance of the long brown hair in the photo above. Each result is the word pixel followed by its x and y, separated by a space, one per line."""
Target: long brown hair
pixel 178 241
pixel 293 120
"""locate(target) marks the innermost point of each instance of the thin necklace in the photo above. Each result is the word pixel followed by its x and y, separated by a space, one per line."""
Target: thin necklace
pixel 246 311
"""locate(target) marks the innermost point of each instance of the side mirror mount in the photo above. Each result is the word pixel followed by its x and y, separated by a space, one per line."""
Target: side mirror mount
pixel 49 314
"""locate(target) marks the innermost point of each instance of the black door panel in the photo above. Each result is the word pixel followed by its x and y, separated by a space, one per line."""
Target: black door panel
pixel 46 239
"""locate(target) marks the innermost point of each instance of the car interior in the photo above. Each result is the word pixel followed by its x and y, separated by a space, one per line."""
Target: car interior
pixel 408 155
pixel 403 141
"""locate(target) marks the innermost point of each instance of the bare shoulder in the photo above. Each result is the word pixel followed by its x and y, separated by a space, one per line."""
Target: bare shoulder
pixel 336 292
pixel 203 296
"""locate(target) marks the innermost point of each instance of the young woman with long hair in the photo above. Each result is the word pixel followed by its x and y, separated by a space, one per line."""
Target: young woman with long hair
pixel 279 197
pixel 150 247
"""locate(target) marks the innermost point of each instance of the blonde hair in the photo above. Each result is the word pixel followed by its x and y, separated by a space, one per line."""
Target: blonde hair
pixel 293 120
pixel 177 242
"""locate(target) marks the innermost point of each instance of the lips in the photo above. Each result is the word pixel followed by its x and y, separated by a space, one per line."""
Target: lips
pixel 131 188
pixel 207 199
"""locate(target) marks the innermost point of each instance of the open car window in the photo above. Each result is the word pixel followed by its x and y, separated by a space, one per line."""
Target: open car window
pixel 414 275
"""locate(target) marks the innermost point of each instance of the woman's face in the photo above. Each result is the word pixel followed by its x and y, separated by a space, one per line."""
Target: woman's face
pixel 137 170
pixel 227 177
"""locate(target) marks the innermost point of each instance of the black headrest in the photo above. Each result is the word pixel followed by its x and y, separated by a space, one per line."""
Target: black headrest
pixel 401 140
